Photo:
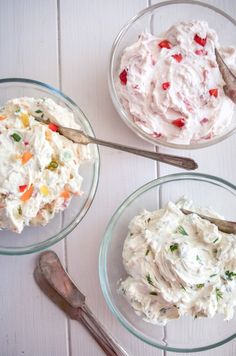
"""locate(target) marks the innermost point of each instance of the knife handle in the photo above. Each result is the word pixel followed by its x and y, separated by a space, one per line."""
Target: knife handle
pixel 104 339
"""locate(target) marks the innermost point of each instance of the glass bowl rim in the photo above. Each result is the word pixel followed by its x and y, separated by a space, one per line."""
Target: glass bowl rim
pixel 107 238
pixel 111 85
pixel 32 248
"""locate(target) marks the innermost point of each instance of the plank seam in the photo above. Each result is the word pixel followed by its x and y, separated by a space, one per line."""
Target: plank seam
pixel 68 325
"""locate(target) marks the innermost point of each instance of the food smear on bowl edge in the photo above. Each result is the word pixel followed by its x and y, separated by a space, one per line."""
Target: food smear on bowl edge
pixel 179 265
pixel 170 85
pixel 39 169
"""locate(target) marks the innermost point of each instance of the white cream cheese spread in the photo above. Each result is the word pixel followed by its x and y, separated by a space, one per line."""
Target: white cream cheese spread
pixel 171 87
pixel 39 169
pixel 179 265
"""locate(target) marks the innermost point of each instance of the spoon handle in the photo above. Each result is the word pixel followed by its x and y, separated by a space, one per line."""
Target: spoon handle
pixel 69 298
pixel 104 339
pixel 177 161
pixel 80 137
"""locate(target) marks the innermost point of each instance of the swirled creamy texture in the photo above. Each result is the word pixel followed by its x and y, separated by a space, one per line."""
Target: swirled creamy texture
pixel 38 167
pixel 171 87
pixel 179 265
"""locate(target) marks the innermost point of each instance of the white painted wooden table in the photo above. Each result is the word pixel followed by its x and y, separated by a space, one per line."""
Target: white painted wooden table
pixel 66 43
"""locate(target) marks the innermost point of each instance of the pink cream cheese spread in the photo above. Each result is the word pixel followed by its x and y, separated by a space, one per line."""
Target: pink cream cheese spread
pixel 171 87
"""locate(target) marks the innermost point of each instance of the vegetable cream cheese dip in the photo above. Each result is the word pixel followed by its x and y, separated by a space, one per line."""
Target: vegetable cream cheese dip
pixel 179 265
pixel 171 87
pixel 38 167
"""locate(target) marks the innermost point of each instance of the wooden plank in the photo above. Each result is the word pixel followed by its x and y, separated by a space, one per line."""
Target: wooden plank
pixel 216 160
pixel 29 323
pixel 86 41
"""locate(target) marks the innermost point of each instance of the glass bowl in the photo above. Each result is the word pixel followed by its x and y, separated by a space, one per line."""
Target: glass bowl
pixel 185 334
pixel 34 239
pixel 159 18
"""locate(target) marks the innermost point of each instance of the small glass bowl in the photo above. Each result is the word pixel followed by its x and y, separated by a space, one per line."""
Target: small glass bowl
pixel 185 334
pixel 34 239
pixel 157 19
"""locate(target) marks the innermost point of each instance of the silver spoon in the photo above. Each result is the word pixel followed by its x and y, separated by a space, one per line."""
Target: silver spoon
pixel 58 286
pixel 79 136
pixel 228 76
pixel 223 225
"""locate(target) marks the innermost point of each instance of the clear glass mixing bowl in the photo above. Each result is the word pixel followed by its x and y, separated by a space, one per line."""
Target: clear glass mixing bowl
pixel 186 334
pixel 33 239
pixel 157 19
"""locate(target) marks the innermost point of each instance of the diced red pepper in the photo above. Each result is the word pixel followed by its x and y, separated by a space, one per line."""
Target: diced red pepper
pixel 22 188
pixel 178 57
pixel 156 134
pixel 179 122
pixel 123 77
pixel 201 52
pixel 213 92
pixel 165 44
pixel 200 41
pixel 204 121
pixel 53 127
pixel 165 85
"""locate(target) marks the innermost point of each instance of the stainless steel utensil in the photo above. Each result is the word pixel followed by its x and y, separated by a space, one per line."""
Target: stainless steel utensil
pixel 228 76
pixel 58 286
pixel 223 225
pixel 81 137
pixel 78 136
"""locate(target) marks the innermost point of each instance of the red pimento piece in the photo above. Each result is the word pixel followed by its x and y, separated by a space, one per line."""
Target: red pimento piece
pixel 200 41
pixel 178 57
pixel 201 52
pixel 156 134
pixel 204 121
pixel 123 77
pixel 165 44
pixel 179 122
pixel 53 127
pixel 22 188
pixel 165 85
pixel 213 92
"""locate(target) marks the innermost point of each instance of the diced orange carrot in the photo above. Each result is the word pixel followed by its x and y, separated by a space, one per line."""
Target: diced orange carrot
pixel 2 117
pixel 65 194
pixel 26 157
pixel 27 194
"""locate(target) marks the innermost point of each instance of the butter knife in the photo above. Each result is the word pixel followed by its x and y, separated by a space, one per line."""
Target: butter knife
pixel 55 282
pixel 223 225
pixel 228 76
pixel 79 136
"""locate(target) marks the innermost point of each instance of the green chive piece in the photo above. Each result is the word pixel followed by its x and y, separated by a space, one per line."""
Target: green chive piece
pixel 199 286
pixel 198 258
pixel 16 137
pixel 123 291
pixel 19 210
pixel 181 230
pixel 17 110
pixel 213 275
pixel 38 111
pixel 148 277
pixel 215 240
pixel 153 293
pixel 174 247
pixel 147 252
pixel 219 294
pixel 230 275
pixel 163 310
